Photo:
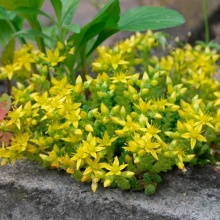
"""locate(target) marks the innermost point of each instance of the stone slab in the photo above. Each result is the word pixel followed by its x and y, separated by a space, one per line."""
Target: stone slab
pixel 28 191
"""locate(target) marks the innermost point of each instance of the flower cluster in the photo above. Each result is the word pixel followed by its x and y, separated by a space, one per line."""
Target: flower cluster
pixel 122 128
pixel 26 58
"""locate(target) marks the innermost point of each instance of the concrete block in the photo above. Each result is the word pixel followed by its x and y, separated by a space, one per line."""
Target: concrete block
pixel 29 192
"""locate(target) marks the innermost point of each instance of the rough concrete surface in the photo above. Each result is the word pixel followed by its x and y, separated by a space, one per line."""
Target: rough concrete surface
pixel 29 192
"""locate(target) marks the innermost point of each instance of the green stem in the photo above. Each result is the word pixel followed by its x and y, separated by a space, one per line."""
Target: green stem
pixel 206 20
pixel 36 26
pixel 83 62
pixel 15 29
pixel 9 87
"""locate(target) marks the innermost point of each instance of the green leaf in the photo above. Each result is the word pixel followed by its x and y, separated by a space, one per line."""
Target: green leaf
pixel 13 4
pixel 27 11
pixel 68 10
pixel 51 31
pixel 12 17
pixel 6 33
pixel 75 28
pixel 9 15
pixel 149 17
pixel 103 35
pixel 107 18
pixel 57 6
pixel 10 23
pixel 8 52
pixel 30 33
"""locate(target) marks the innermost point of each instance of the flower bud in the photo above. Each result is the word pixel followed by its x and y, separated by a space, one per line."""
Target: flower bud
pixel 89 128
pixel 128 174
pixel 70 170
pixel 154 82
pixel 128 159
pixel 94 186
pixel 180 165
pixel 104 109
pixel 78 80
pixel 84 178
pixel 83 114
pixel 105 120
pixel 144 91
pixel 115 109
pixel 174 108
pixel 78 132
pixel 135 97
pixel 123 111
pixel 108 182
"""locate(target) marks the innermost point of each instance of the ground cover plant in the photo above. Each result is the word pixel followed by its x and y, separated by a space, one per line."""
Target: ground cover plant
pixel 136 116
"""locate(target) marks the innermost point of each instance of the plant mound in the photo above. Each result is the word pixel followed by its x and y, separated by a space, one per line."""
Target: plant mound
pixel 140 116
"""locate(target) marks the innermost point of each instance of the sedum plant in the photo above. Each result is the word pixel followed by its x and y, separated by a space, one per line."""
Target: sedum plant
pixel 140 115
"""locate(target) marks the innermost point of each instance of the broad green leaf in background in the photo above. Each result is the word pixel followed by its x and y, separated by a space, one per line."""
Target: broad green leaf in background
pixel 27 11
pixel 57 6
pixel 68 10
pixel 64 10
pixel 8 52
pixel 149 17
pixel 142 19
pixel 75 28
pixel 30 33
pixel 6 33
pixel 5 14
pixel 51 31
pixel 31 18
pixel 13 4
pixel 9 23
pixel 107 17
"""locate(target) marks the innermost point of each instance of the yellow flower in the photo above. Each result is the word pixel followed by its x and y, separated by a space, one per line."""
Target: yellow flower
pixel 90 146
pixel 15 116
pixel 129 125
pixel 193 134
pixel 24 59
pixel 94 167
pixel 217 94
pixel 216 120
pixel 73 117
pixel 9 70
pixel 152 131
pixel 152 148
pixel 106 141
pixel 54 57
pixel 73 137
pixel 79 156
pixel 113 60
pixel 143 106
pixel 120 77
pixel 20 142
pixel 159 104
pixel 204 119
pixel 115 169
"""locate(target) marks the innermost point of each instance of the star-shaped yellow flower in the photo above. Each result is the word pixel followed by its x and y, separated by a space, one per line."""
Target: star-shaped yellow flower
pixel 54 57
pixel 115 169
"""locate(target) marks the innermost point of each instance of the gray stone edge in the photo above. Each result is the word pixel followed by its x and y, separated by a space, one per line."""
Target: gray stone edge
pixel 28 191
